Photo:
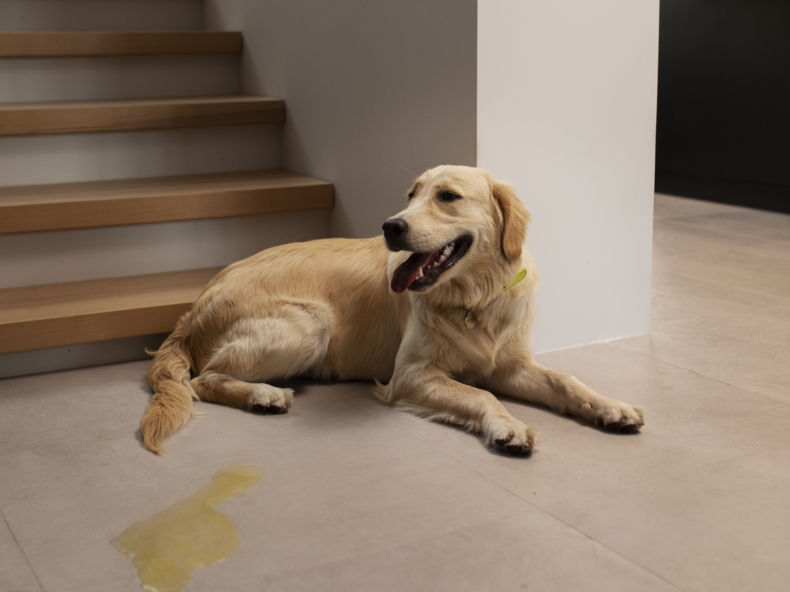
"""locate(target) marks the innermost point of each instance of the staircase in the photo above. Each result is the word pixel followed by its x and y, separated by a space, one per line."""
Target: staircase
pixel 131 171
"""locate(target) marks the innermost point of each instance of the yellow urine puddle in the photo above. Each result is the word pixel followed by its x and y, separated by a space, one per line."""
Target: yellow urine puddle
pixel 167 546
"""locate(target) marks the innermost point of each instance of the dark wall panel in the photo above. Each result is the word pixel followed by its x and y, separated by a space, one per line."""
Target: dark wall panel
pixel 724 100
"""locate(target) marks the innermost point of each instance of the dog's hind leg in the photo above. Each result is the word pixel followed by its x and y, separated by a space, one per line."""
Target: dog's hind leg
pixel 217 387
pixel 287 342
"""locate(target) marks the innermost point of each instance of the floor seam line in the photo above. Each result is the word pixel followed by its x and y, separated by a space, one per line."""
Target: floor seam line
pixel 402 544
pixel 628 559
pixel 696 373
pixel 22 551
pixel 475 471
pixel 698 227
pixel 720 234
pixel 656 478
pixel 546 512
pixel 729 286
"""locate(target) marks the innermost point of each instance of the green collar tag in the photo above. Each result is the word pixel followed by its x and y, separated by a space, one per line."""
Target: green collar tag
pixel 471 319
pixel 521 275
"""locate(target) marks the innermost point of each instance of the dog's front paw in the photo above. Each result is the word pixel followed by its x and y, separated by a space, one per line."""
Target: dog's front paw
pixel 510 435
pixel 616 416
pixel 270 399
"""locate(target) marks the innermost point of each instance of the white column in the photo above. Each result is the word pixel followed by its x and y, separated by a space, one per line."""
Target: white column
pixel 566 111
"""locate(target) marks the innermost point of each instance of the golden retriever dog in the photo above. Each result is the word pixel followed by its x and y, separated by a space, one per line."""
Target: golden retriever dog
pixel 440 310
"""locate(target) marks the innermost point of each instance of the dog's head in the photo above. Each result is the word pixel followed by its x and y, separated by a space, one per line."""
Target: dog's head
pixel 457 218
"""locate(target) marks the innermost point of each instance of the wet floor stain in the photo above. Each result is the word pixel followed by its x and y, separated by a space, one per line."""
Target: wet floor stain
pixel 168 546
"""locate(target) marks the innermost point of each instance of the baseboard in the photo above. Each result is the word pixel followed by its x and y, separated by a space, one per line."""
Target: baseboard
pixel 761 196
pixel 78 356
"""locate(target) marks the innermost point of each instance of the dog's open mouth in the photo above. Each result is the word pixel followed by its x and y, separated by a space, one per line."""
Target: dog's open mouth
pixel 423 269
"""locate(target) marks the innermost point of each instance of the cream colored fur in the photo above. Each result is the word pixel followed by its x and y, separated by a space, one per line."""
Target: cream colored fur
pixel 324 309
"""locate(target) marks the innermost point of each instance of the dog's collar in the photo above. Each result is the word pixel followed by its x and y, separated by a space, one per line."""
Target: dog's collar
pixel 471 318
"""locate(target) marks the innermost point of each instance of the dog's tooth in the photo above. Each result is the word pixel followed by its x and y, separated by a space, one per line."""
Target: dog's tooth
pixel 447 250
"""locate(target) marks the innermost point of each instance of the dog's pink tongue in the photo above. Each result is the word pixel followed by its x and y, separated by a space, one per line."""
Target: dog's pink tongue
pixel 407 272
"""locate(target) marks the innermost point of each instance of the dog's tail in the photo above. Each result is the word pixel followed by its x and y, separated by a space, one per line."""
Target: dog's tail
pixel 171 407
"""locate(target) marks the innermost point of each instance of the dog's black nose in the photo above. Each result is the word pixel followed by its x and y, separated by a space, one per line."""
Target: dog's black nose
pixel 395 227
pixel 394 231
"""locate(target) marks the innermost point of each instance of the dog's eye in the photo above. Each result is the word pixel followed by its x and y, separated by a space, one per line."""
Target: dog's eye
pixel 448 196
pixel 410 194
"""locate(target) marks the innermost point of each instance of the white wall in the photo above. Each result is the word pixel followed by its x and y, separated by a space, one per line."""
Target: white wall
pixel 375 92
pixel 566 109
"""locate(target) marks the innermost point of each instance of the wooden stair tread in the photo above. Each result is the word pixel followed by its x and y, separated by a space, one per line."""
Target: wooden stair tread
pixel 110 43
pixel 158 199
pixel 139 114
pixel 35 317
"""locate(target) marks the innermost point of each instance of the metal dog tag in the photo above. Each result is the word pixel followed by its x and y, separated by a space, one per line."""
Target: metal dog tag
pixel 470 320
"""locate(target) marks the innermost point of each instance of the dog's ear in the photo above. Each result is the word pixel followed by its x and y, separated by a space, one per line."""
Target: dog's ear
pixel 515 218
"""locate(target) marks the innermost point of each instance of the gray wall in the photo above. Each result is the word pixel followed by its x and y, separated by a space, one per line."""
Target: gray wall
pixel 376 91
pixel 100 15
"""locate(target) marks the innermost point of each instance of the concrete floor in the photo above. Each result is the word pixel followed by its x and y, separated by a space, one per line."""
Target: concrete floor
pixel 357 496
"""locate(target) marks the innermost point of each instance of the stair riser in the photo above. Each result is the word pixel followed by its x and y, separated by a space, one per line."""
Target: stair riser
pixel 90 157
pixel 101 15
pixel 107 78
pixel 66 256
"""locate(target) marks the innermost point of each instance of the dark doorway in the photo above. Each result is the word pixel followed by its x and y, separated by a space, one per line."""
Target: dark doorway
pixel 723 130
